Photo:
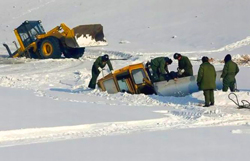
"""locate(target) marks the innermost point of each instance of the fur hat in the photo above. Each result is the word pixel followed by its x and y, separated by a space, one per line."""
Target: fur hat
pixel 169 61
pixel 204 59
pixel 227 58
pixel 105 57
pixel 177 55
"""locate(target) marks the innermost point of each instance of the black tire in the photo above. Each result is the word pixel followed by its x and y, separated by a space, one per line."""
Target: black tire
pixel 75 53
pixel 49 48
pixel 31 54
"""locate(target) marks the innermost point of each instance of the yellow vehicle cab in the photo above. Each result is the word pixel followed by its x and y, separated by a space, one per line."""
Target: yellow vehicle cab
pixel 131 79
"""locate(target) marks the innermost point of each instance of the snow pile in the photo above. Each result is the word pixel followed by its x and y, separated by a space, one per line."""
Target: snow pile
pixel 88 40
pixel 242 59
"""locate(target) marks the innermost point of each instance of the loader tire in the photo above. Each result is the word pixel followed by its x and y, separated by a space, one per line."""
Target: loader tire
pixel 31 54
pixel 49 48
pixel 75 53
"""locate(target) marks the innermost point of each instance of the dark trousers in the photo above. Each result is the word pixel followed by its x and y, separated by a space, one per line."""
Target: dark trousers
pixel 95 74
pixel 209 96
pixel 230 84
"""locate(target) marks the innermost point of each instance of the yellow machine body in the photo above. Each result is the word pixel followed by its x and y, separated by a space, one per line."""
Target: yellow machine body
pixel 131 79
pixel 34 42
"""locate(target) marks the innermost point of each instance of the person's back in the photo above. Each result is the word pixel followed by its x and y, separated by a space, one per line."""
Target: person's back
pixel 185 64
pixel 100 63
pixel 208 75
pixel 229 72
pixel 159 67
pixel 158 61
pixel 206 81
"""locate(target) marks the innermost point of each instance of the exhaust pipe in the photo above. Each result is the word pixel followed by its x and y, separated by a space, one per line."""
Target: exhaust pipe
pixel 14 42
pixel 8 49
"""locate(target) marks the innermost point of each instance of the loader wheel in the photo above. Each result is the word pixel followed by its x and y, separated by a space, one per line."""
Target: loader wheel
pixel 49 48
pixel 75 53
pixel 31 54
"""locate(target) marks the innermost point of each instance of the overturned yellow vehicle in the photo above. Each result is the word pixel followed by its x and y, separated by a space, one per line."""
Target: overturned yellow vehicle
pixel 131 79
pixel 135 79
pixel 34 42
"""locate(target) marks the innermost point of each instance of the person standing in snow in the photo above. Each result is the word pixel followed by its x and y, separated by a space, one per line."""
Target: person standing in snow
pixel 159 67
pixel 97 67
pixel 229 72
pixel 206 81
pixel 185 67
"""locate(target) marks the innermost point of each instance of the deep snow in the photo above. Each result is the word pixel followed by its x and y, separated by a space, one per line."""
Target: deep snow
pixel 48 111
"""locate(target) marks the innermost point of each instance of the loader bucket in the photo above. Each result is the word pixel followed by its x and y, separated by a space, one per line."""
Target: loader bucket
pixel 87 35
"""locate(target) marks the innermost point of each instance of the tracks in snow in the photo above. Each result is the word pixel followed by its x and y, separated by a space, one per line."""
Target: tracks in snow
pixel 41 135
pixel 39 75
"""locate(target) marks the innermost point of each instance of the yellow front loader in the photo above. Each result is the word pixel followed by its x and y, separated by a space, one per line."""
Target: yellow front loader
pixel 34 42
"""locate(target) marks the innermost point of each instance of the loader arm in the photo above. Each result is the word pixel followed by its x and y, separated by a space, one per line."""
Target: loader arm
pixel 36 43
pixel 52 32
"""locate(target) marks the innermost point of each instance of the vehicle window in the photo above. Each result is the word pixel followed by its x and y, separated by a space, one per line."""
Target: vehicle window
pixel 40 29
pixel 110 86
pixel 29 30
pixel 25 38
pixel 138 75
pixel 33 32
pixel 123 85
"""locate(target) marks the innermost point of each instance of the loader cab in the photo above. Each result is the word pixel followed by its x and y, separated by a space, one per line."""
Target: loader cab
pixel 26 33
pixel 131 79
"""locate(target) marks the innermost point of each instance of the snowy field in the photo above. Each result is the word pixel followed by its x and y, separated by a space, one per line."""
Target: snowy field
pixel 48 113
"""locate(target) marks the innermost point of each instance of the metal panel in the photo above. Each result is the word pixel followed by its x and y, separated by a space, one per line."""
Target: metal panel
pixel 183 86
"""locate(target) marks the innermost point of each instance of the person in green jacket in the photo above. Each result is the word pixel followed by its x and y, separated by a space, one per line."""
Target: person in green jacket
pixel 159 67
pixel 185 67
pixel 97 67
pixel 206 81
pixel 229 72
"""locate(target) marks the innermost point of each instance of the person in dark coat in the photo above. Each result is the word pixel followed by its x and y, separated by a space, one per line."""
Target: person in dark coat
pixel 229 72
pixel 206 81
pixel 97 67
pixel 185 67
pixel 159 67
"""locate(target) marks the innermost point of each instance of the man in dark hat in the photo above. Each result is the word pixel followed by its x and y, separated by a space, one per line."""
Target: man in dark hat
pixel 185 67
pixel 159 67
pixel 230 70
pixel 97 67
pixel 206 81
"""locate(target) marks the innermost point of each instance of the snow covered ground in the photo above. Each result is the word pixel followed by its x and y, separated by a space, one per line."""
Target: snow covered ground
pixel 47 112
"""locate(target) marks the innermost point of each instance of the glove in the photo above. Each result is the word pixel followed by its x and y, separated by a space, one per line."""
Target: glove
pixel 221 79
pixel 100 69
pixel 181 71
